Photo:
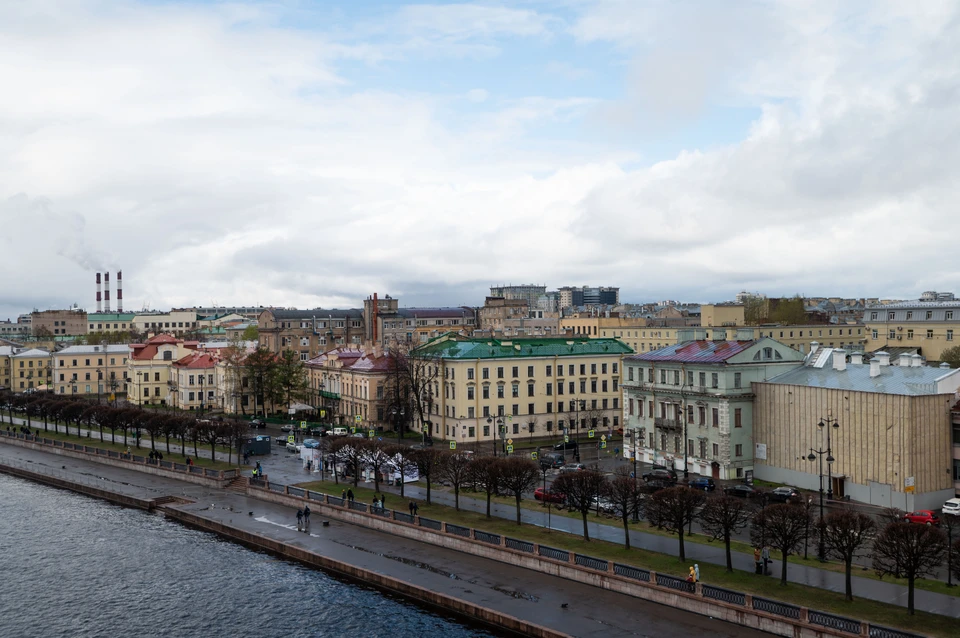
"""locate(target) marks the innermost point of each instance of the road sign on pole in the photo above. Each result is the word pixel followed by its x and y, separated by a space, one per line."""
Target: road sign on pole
pixel 533 455
pixel 453 445
pixel 509 449
pixel 566 438
pixel 591 434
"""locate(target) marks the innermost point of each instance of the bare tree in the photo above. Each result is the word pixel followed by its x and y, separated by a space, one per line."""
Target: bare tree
pixel 430 463
pixel 349 451
pixel 404 459
pixel 375 455
pixel 582 490
pixel 845 533
pixel 721 518
pixel 783 526
pixel 674 508
pixel 905 550
pixel 518 476
pixel 626 496
pixel 456 470
pixel 951 525
pixel 486 472
pixel 413 384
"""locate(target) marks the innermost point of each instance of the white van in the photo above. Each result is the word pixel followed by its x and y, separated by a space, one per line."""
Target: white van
pixel 339 431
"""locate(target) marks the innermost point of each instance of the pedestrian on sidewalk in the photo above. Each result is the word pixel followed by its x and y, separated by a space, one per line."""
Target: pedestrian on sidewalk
pixel 383 501
pixel 410 507
pixel 343 495
pixel 766 560
pixel 416 509
pixel 306 518
pixel 756 560
pixel 350 495
pixel 299 519
pixel 696 572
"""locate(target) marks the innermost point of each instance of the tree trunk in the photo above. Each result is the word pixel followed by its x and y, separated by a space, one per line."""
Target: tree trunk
pixel 726 541
pixel 847 580
pixel 168 444
pixel 428 487
pixel 456 497
pixel 101 431
pixel 626 531
pixel 518 509
pixel 489 495
pixel 213 450
pixel 910 583
pixel 783 570
pixel 586 528
pixel 683 554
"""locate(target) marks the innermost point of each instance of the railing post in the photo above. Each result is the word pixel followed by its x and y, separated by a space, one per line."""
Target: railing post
pixel 443 527
pixel 536 549
pixel 473 535
pixel 653 577
pixel 572 558
pixel 221 475
pixel 609 566
pixel 698 589
pixel 804 615
pixel 864 628
pixel 286 490
pixel 503 540
pixel 747 600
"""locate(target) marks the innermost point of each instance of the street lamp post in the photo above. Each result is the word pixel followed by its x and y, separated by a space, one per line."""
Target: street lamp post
pixel 828 424
pixel 201 395
pixel 99 379
pixel 817 455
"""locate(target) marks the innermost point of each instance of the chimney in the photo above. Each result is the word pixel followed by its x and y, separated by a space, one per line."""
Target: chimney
pixel 119 291
pixel 874 368
pixel 839 359
pixel 856 358
pixel 99 294
pixel 917 361
pixel 106 292
pixel 904 360
pixel 814 346
pixel 376 311
pixel 944 366
pixel 882 357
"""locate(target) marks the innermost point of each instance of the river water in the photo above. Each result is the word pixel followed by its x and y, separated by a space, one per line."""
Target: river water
pixel 78 567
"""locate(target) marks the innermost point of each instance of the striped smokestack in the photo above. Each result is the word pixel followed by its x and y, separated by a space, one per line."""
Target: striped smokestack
pixel 106 292
pixel 119 291
pixel 99 308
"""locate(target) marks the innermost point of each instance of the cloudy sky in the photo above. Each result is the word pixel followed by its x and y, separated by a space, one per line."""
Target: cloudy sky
pixel 304 153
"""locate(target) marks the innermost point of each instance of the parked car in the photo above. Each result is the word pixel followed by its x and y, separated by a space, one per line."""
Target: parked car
pixel 340 431
pixel 604 505
pixel 785 494
pixel 952 507
pixel 258 424
pixel 655 485
pixel 547 496
pixel 551 461
pixel 922 517
pixel 311 443
pixel 704 483
pixel 741 489
pixel 573 467
pixel 664 476
pixel 293 447
pixel 673 472
pixel 568 446
pixel 286 428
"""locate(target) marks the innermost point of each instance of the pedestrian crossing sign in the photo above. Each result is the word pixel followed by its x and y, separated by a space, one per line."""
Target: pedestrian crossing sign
pixel 373 433
pixel 533 455
pixel 357 418
pixel 591 434
pixel 566 438
pixel 603 445
pixel 509 449
pixel 303 425
pixel 453 445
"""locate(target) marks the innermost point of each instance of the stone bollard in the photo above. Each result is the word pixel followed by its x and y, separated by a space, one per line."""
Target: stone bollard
pixel 572 558
pixel 653 577
pixel 748 601
pixel 698 589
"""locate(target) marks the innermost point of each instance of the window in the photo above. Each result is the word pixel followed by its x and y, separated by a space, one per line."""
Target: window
pixel 529 408
pixel 486 410
pixel 737 380
pixel 500 372
pixel 873 316
pixel 909 315
pixel 689 414
pixel 583 369
pixel 486 392
pixel 593 386
pixel 929 334
pixel 549 407
pixel 190 396
pixel 703 415
pixel 614 368
pixel 486 430
pixel 569 370
pixel 486 373
pixel 910 334
pixel 549 389
pixel 583 386
pixel 560 387
pixel 893 333
pixel 676 377
pixel 738 449
pixel 500 393
pixel 714 380
pixel 515 390
pixel 469 374
pixel 593 368
pixel 929 314
pixel 630 374
pixel 703 379
pixel 549 371
pixel 516 371
pixel 470 392
pixel 529 389
pixel 471 413
pixel 529 371
pixel 949 315
pixel 650 375
pixel 663 377
pixel 873 334
pixel 603 385
pixel 716 450
pixel 716 417
pixel 515 409
pixel 737 418
pixel 949 335
pixel 549 425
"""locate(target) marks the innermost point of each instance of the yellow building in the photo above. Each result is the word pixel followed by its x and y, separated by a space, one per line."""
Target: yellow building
pixel 349 386
pixel 928 326
pixel 149 369
pixel 30 369
pixel 721 315
pixel 194 382
pixel 91 370
pixel 6 352
pixel 491 390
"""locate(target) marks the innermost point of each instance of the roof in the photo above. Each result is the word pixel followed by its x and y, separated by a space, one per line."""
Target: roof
pixel 161 338
pixel 110 316
pixel 953 303
pixel 6 351
pixel 95 349
pixel 197 360
pixel 32 353
pixel 468 348
pixel 438 313
pixel 893 379
pixel 318 313
pixel 699 351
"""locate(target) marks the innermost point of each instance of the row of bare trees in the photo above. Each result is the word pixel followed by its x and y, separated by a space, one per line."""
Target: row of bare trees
pixel 160 426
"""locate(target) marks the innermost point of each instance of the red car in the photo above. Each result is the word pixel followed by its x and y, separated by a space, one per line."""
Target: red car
pixel 924 517
pixel 547 496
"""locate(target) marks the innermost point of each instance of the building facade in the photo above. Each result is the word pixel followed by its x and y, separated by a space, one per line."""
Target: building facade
pixel 929 326
pixel 72 321
pixel 110 322
pixel 690 405
pixel 889 428
pixel 309 332
pixel 195 382
pixel 91 370
pixel 177 322
pixel 30 369
pixel 149 369
pixel 491 390
pixel 349 387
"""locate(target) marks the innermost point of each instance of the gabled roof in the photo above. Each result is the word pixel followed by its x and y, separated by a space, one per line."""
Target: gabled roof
pixel 161 339
pixel 32 353
pixel 480 348
pixel 699 351
pixel 197 360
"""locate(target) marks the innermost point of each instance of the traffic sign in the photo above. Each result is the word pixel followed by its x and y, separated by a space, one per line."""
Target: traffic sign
pixel 323 413
pixel 509 441
pixel 603 445
pixel 591 434
pixel 353 430
pixel 603 437
pixel 373 433
pixel 533 455
pixel 358 418
pixel 303 425
pixel 509 449
pixel 290 438
pixel 453 445
pixel 566 438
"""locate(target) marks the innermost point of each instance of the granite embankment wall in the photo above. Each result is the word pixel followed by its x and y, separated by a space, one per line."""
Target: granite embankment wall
pixel 89 490
pixel 398 587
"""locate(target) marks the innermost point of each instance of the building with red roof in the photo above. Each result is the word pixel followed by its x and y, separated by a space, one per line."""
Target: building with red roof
pixel 349 386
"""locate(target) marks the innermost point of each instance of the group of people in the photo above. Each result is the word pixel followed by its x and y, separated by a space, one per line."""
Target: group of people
pixel 414 508
pixel 694 575
pixel 378 502
pixel 257 471
pixel 762 559
pixel 346 495
pixel 155 456
pixel 303 519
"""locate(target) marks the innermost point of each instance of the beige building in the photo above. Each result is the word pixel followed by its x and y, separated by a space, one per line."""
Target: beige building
pixel 490 390
pixel 149 369
pixel 194 380
pixel 173 322
pixel 722 315
pixel 91 370
pixel 349 387
pixel 110 322
pixel 929 326
pixel 30 369
pixel 72 321
pixel 6 366
pixel 888 423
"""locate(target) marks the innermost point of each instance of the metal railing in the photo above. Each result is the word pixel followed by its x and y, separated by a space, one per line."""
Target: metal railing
pixel 316 496
pixel 834 622
pixel 520 546
pixel 276 487
pixel 380 511
pixel 591 562
pixel 877 631
pixel 403 518
pixel 458 530
pixel 672 582
pixel 360 507
pixel 486 537
pixel 336 500
pixel 554 553
pixel 296 491
pixel 726 595
pixel 429 523
pixel 631 572
pixel 776 607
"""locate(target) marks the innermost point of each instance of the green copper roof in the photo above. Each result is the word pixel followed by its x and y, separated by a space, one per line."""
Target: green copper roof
pixel 518 348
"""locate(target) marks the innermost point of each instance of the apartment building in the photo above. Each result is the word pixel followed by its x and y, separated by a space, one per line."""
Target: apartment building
pixel 150 365
pixel 888 428
pixel 690 405
pixel 13 330
pixel 488 389
pixel 91 370
pixel 349 386
pixel 30 369
pixel 309 332
pixel 6 353
pixel 194 382
pixel 110 322
pixel 72 321
pixel 176 322
pixel 929 326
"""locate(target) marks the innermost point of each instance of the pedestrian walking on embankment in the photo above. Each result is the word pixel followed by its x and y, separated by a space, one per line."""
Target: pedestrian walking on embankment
pixel 299 519
pixel 306 518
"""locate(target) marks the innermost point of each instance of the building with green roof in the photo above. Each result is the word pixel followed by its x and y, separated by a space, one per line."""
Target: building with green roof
pixel 495 391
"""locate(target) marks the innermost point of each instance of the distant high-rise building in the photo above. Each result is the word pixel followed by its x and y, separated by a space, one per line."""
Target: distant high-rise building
pixel 527 292
pixel 589 296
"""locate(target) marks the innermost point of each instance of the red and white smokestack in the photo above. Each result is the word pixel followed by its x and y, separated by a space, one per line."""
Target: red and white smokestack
pixel 99 293
pixel 119 291
pixel 106 292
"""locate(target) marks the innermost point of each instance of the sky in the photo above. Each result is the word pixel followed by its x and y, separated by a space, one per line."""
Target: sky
pixel 296 153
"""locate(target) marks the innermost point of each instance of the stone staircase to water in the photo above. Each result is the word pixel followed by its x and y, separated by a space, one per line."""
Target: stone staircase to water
pixel 238 485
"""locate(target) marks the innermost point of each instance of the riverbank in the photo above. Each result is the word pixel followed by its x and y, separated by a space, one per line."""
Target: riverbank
pixel 539 600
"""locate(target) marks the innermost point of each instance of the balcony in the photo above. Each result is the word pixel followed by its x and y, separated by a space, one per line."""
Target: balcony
pixel 667 424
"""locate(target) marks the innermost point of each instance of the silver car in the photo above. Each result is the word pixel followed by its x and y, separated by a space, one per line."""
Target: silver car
pixel 952 507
